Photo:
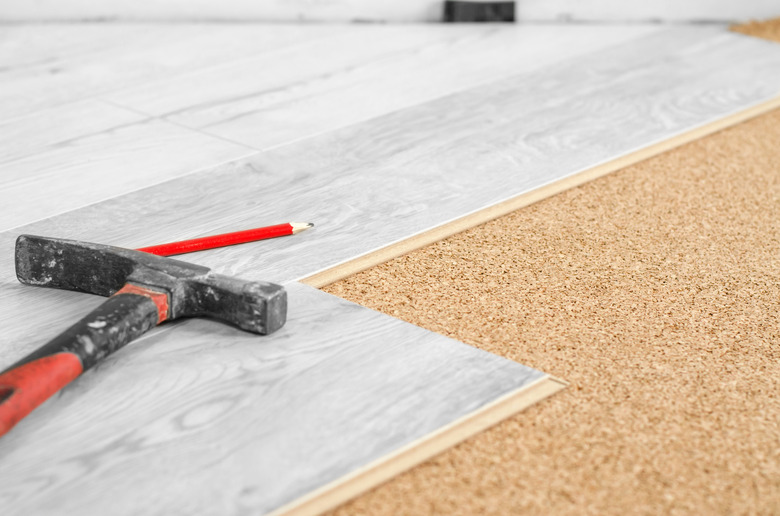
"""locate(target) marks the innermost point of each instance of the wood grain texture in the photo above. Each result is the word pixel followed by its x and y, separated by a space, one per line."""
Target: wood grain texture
pixel 25 46
pixel 476 218
pixel 44 131
pixel 202 418
pixel 354 48
pixel 91 151
pixel 276 99
pixel 123 55
pixel 376 183
pixel 434 443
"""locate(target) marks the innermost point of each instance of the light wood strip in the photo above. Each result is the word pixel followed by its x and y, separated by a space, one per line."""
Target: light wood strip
pixel 23 46
pixel 58 170
pixel 202 418
pixel 63 126
pixel 129 60
pixel 353 47
pixel 270 101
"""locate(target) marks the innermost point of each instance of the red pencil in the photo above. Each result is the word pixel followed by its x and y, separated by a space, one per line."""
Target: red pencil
pixel 239 237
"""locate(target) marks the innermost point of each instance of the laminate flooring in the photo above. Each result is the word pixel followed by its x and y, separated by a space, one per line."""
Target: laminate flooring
pixel 218 421
pixel 48 65
pixel 152 91
pixel 275 99
pixel 197 416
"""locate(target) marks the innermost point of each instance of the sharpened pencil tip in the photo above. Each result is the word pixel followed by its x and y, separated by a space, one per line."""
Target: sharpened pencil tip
pixel 300 226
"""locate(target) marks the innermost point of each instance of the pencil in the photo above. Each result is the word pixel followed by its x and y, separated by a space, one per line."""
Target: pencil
pixel 239 237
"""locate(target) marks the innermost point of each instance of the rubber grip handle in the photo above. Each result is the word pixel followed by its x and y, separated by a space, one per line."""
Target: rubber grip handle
pixel 27 386
pixel 123 317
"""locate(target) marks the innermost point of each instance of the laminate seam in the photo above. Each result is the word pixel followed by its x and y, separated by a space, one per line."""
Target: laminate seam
pixel 162 118
pixel 250 152
pixel 100 93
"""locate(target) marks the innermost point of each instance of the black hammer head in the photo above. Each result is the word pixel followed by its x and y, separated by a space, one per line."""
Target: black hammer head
pixel 192 290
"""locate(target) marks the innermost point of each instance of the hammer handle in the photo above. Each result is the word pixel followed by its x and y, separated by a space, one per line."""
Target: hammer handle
pixel 126 315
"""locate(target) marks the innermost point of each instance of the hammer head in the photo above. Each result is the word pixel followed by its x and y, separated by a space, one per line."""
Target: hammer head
pixel 193 290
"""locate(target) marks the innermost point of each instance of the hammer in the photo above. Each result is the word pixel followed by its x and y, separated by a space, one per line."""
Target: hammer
pixel 144 291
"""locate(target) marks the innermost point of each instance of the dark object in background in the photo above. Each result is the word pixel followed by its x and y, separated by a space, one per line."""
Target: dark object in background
pixel 460 11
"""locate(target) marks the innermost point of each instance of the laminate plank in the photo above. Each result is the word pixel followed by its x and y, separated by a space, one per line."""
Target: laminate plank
pixel 277 98
pixel 26 45
pixel 293 99
pixel 44 130
pixel 166 52
pixel 500 209
pixel 373 184
pixel 98 152
pixel 202 418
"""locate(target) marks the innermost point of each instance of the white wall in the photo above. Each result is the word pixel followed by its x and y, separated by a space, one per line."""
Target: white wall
pixel 380 10
pixel 648 10
pixel 249 10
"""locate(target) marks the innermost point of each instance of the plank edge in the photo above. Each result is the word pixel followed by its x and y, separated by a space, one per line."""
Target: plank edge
pixel 384 254
pixel 381 470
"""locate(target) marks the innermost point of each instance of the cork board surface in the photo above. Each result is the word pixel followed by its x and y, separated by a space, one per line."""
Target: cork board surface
pixel 655 291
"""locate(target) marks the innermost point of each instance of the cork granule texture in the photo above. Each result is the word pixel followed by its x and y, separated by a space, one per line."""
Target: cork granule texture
pixel 655 291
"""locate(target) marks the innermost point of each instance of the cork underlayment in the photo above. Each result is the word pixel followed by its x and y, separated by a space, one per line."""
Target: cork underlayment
pixel 655 291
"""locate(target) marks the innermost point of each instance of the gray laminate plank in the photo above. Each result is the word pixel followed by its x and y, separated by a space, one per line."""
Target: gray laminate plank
pixel 27 45
pixel 59 127
pixel 87 143
pixel 375 183
pixel 50 77
pixel 100 152
pixel 270 101
pixel 200 418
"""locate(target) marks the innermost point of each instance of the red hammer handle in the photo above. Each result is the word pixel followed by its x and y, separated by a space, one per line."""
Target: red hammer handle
pixel 121 318
pixel 26 386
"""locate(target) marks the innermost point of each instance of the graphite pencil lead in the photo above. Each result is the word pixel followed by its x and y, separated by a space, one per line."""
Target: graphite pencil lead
pixel 297 227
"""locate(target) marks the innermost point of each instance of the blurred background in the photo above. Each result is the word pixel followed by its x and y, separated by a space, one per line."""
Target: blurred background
pixel 382 11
